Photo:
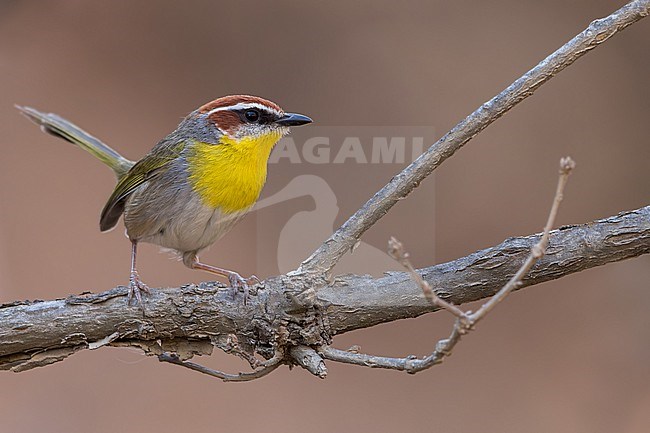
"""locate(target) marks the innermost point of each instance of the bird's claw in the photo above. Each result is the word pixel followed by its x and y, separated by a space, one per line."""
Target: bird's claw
pixel 237 282
pixel 136 287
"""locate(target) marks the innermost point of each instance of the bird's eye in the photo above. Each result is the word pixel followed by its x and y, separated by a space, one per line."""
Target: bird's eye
pixel 252 115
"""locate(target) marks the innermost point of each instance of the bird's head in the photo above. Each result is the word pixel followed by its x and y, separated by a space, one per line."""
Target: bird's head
pixel 247 117
pixel 233 138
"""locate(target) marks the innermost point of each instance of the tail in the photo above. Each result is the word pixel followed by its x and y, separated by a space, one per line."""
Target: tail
pixel 59 127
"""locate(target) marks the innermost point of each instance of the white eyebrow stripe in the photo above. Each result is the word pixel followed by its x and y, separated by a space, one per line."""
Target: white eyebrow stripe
pixel 246 105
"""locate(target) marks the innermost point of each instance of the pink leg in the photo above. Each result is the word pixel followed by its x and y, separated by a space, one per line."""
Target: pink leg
pixel 136 286
pixel 235 280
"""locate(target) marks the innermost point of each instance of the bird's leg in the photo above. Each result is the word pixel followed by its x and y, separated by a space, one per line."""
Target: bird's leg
pixel 136 286
pixel 235 280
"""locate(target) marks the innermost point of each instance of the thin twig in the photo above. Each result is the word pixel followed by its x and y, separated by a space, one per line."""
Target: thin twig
pixel 538 250
pixel 411 364
pixel 319 265
pixel 267 367
pixel 396 250
pixel 465 322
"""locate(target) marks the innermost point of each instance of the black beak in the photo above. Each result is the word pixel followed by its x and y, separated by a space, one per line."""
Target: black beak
pixel 293 119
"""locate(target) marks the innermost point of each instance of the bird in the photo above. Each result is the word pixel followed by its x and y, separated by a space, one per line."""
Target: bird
pixel 193 185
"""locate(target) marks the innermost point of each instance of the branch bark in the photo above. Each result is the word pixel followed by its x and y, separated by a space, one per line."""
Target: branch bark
pixel 193 319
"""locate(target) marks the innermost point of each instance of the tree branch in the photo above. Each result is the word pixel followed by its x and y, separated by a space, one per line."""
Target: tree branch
pixel 361 302
pixel 320 264
pixel 290 316
pixel 270 366
pixel 192 319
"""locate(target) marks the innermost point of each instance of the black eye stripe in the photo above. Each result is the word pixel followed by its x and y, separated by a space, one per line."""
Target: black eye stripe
pixel 264 118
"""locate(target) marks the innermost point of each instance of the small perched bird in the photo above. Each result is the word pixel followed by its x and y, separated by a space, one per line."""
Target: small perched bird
pixel 195 184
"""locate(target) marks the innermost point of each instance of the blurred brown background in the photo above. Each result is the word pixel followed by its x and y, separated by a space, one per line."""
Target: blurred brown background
pixel 567 356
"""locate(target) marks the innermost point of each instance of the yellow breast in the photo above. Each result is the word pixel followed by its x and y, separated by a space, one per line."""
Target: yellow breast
pixel 230 175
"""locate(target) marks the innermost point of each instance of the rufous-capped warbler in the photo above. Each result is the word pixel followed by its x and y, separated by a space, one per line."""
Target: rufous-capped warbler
pixel 195 184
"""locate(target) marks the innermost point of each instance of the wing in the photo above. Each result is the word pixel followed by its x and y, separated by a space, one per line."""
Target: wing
pixel 153 164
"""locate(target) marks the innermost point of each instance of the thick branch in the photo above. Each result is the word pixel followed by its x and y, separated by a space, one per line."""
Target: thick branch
pixel 321 262
pixel 362 302
pixel 192 319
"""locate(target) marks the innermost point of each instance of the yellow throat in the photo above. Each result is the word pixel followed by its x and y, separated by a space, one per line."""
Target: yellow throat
pixel 230 175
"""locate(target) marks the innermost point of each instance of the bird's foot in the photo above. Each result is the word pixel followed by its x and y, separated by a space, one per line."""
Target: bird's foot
pixel 136 287
pixel 237 282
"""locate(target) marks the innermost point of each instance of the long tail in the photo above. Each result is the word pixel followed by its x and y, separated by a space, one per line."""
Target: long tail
pixel 59 127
